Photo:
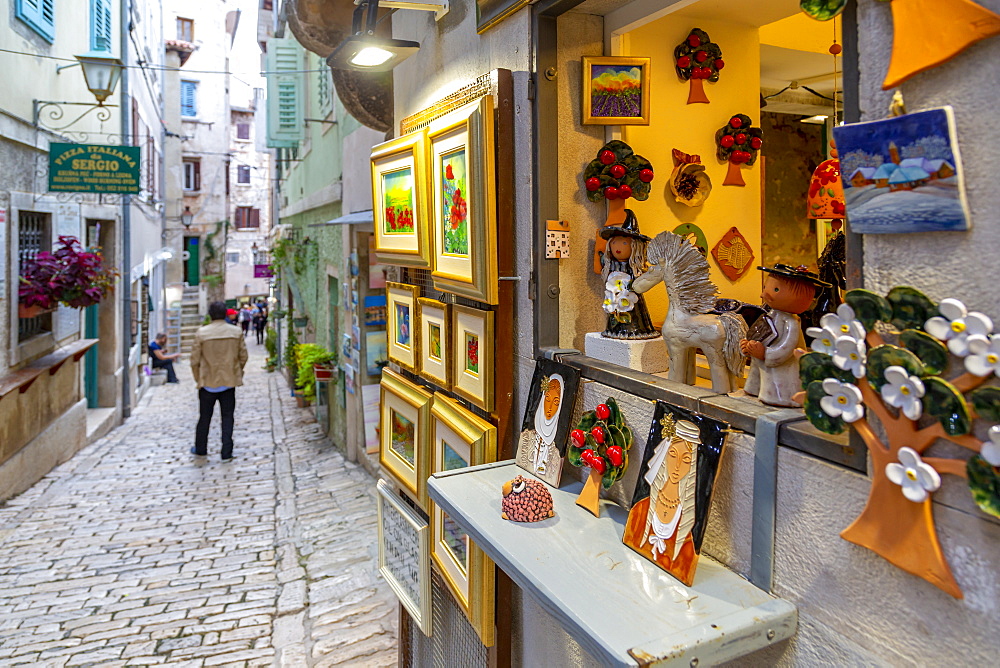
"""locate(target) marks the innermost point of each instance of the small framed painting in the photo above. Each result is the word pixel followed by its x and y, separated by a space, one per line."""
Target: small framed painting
pixel 399 189
pixel 547 420
pixel 472 355
pixel 615 91
pixel 404 541
pixel 403 448
pixel 460 439
pixel 402 324
pixel 464 244
pixel 670 506
pixel 435 340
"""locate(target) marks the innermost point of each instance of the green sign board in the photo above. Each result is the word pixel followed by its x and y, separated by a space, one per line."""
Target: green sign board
pixel 93 168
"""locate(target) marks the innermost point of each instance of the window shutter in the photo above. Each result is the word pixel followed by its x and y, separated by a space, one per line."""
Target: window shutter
pixel 189 106
pixel 254 218
pixel 40 15
pixel 197 174
pixel 100 25
pixel 284 94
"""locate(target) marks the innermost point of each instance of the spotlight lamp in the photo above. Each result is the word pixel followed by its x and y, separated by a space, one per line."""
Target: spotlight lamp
pixel 364 51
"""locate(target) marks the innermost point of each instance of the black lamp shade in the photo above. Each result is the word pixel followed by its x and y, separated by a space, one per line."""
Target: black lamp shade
pixel 366 53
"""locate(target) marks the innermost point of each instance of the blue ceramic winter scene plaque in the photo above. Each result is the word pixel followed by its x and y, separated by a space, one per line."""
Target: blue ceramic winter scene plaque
pixel 903 174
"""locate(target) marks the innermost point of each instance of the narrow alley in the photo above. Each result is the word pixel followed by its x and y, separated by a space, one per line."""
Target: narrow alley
pixel 136 553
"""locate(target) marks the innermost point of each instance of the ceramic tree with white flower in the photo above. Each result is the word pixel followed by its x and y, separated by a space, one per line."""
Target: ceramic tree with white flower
pixel 906 373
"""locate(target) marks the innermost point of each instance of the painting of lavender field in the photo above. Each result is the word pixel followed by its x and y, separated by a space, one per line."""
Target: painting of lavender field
pixel 903 174
pixel 616 91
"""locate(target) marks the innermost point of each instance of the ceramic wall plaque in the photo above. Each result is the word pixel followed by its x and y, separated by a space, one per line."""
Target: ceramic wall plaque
pixel 738 143
pixel 670 509
pixel 547 420
pixel 733 254
pixel 903 174
pixel 698 59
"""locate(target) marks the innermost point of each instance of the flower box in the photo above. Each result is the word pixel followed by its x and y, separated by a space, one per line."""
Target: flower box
pixel 323 372
pixel 24 311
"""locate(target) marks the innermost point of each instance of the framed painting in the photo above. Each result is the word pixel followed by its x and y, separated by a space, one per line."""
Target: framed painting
pixel 404 542
pixel 464 244
pixel 472 362
pixel 435 341
pixel 403 427
pixel 491 12
pixel 460 439
pixel 615 91
pixel 403 325
pixel 399 191
pixel 548 417
pixel 670 506
pixel 903 174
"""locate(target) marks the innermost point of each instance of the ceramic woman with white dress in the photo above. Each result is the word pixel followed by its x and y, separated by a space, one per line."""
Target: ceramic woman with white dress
pixel 542 443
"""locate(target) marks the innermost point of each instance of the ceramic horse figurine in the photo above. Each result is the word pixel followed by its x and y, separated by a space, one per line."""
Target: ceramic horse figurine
pixel 692 319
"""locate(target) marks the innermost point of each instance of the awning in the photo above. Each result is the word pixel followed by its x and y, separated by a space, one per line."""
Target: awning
pixel 356 218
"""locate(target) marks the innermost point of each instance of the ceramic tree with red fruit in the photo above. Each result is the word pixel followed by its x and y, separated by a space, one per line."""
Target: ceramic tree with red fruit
pixel 738 143
pixel 698 59
pixel 601 441
pixel 616 175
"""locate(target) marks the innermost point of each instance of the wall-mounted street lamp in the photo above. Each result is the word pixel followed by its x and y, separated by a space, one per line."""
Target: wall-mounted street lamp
pixel 187 218
pixel 101 73
pixel 363 51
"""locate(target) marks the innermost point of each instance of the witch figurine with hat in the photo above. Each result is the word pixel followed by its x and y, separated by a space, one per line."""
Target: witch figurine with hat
pixel 773 338
pixel 620 252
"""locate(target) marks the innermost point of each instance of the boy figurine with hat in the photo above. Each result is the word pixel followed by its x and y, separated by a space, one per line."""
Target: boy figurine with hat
pixel 771 342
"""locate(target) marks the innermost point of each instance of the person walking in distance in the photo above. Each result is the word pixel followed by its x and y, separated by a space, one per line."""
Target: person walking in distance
pixel 218 356
pixel 260 323
pixel 244 319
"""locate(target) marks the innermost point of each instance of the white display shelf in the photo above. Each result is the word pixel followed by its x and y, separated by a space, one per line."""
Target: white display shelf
pixel 620 607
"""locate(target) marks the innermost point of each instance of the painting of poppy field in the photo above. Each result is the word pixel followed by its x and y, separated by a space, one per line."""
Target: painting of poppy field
pixel 616 91
pixel 454 205
pixel 397 195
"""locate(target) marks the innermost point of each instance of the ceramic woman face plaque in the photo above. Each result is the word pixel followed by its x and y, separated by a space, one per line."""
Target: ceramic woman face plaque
pixel 670 508
pixel 547 418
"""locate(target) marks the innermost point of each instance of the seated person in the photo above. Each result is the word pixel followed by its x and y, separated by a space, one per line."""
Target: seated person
pixel 159 359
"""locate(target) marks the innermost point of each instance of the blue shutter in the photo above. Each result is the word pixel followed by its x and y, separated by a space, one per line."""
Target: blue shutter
pixel 100 25
pixel 40 15
pixel 189 105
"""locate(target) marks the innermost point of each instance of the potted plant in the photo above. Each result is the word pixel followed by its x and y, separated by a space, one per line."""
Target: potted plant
pixel 311 355
pixel 69 275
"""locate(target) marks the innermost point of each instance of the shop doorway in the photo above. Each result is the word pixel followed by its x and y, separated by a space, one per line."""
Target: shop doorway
pixel 192 249
pixel 99 385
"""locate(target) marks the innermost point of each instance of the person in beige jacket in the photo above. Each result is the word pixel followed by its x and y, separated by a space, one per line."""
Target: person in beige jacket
pixel 218 356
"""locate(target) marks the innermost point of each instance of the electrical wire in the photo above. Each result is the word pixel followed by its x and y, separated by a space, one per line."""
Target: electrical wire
pixel 263 73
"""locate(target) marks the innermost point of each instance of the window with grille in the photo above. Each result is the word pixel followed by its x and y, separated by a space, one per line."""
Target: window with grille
pixel 192 175
pixel 40 15
pixel 247 218
pixel 243 174
pixel 243 131
pixel 33 236
pixel 185 30
pixel 189 98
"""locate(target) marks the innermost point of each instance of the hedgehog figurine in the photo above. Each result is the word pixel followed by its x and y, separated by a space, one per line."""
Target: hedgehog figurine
pixel 526 500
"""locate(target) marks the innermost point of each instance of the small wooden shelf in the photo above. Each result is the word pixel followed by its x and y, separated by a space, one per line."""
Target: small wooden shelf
pixel 620 607
pixel 22 379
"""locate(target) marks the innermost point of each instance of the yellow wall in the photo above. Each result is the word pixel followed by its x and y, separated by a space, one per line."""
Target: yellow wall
pixel 691 128
pixel 800 32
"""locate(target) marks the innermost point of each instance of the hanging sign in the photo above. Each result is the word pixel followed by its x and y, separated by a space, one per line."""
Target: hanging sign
pixel 94 168
pixel 262 271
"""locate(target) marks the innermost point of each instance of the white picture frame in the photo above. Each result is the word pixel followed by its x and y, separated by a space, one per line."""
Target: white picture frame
pixel 404 561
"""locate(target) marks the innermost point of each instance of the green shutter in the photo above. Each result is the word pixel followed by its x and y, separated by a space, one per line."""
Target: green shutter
pixel 284 94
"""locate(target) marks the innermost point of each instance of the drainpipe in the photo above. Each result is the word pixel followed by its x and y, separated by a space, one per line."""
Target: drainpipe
pixel 126 262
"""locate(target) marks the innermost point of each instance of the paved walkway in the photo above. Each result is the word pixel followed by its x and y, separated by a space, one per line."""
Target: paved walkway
pixel 136 553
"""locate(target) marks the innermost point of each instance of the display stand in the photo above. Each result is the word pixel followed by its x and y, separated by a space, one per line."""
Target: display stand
pixel 620 607
pixel 646 355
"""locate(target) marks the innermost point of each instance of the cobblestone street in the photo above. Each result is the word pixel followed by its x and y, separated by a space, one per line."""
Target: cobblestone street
pixel 137 553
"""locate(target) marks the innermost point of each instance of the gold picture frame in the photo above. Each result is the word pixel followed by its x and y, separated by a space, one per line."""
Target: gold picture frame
pixel 463 202
pixel 402 324
pixel 404 543
pixel 399 200
pixel 435 341
pixel 473 355
pixel 404 424
pixel 460 439
pixel 601 101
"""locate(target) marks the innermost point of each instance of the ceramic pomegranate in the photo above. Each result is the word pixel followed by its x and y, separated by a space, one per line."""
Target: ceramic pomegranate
pixel 526 500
